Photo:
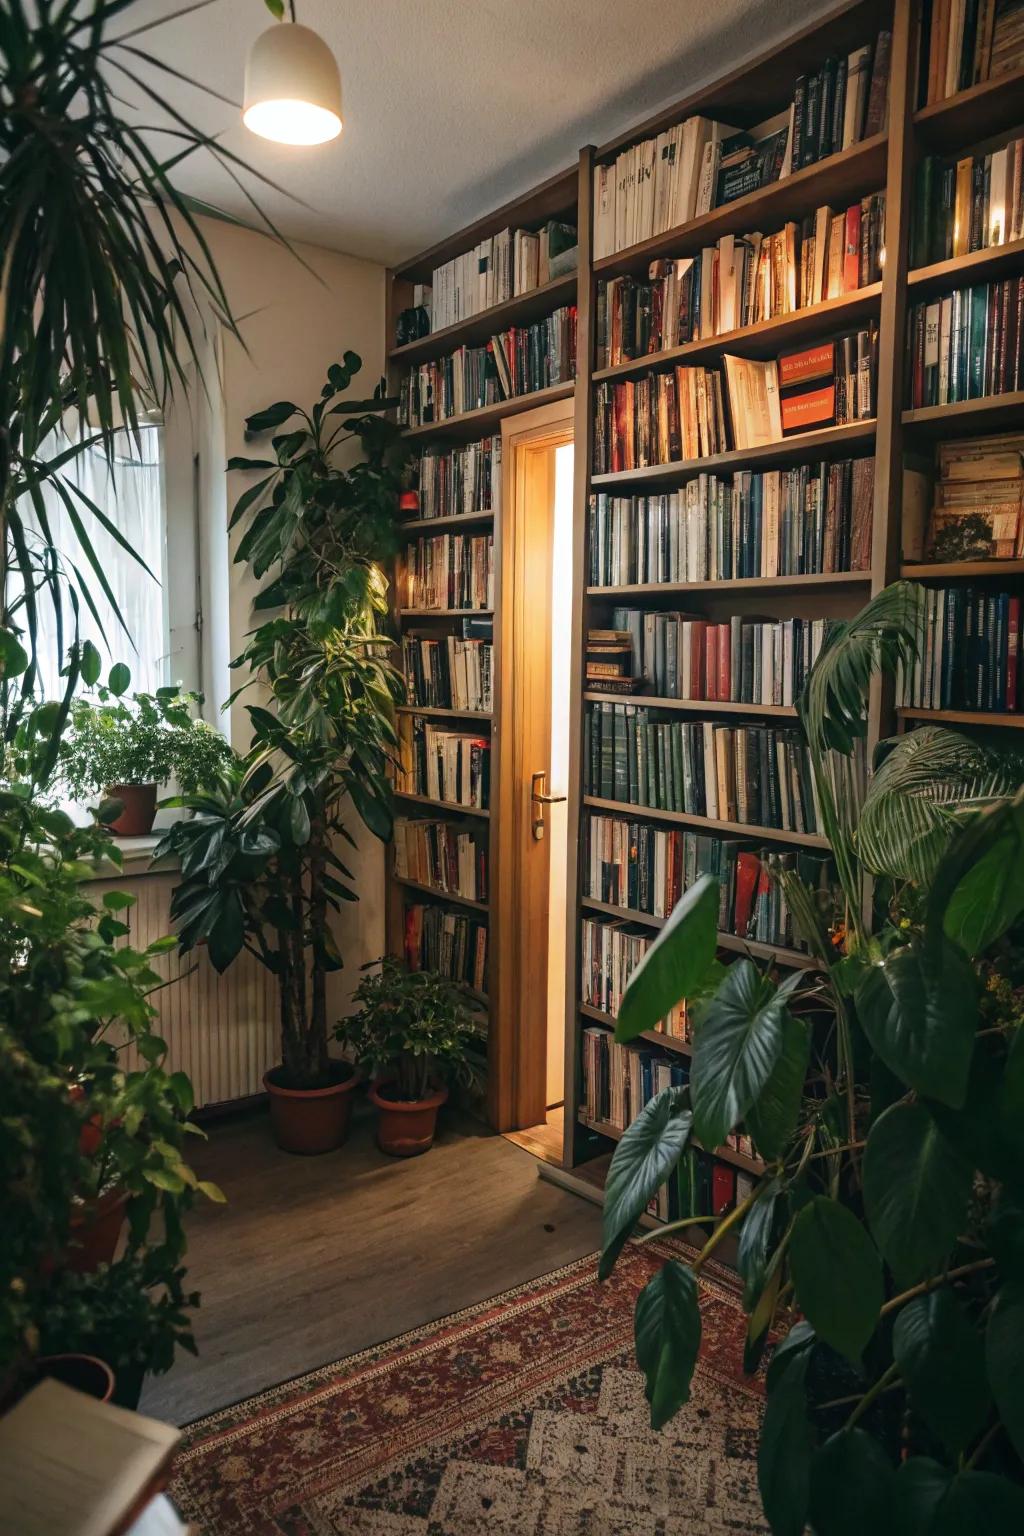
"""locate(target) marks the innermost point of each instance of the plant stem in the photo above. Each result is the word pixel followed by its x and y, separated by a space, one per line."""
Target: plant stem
pixel 716 1237
pixel 848 1146
pixel 934 1283
pixel 983 1445
pixel 675 1226
pixel 886 1380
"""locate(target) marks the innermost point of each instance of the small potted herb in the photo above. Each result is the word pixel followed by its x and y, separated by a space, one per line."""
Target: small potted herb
pixel 122 748
pixel 411 1036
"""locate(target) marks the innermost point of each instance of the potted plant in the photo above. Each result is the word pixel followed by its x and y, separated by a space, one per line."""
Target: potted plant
pixel 122 749
pixel 883 1247
pixel 260 858
pixel 410 1035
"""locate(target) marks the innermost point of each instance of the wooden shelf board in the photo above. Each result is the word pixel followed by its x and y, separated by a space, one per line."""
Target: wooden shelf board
pixel 736 584
pixel 652 1036
pixel 761 340
pixel 723 1154
pixel 449 806
pixel 990 414
pixel 978 717
pixel 975 267
pixel 454 520
pixel 692 706
pixel 683 819
pixel 848 174
pixel 968 116
pixel 973 570
pixel 478 328
pixel 480 422
pixel 827 442
pixel 483 716
pixel 445 613
pixel 794 958
pixel 439 895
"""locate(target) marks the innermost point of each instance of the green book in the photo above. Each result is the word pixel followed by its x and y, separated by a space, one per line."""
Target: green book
pixel 677 766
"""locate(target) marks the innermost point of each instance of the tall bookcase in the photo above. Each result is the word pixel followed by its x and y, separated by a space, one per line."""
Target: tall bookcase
pixel 981 116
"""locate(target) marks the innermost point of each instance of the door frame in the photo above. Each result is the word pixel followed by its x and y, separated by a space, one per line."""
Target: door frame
pixel 517 1090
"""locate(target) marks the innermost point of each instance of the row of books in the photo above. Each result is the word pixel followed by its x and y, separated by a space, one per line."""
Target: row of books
pixel 450 766
pixel 609 954
pixel 644 868
pixel 742 660
pixel 961 44
pixel 455 481
pixel 968 344
pixel 518 361
pixel 978 500
pixel 750 775
pixel 968 652
pixel 450 570
pixel 694 166
pixel 741 281
pixel 451 943
pixel 441 854
pixel 675 416
pixel 967 205
pixel 499 268
pixel 782 522
pixel 455 672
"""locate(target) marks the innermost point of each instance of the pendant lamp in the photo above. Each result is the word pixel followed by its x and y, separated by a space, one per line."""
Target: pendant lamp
pixel 292 86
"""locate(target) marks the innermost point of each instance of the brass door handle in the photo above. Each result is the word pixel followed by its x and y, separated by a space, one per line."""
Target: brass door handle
pixel 540 800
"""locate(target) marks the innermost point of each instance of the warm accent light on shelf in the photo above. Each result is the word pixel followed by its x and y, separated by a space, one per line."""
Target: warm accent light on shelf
pixel 292 85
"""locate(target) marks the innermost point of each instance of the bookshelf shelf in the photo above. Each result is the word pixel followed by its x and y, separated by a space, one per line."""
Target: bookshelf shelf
pixel 992 413
pixel 652 1036
pixel 427 525
pixel 977 717
pixel 825 443
pixel 684 819
pixel 765 339
pixel 445 613
pixel 470 425
pixel 794 958
pixel 483 716
pixel 448 807
pixel 724 1154
pixel 736 584
pixel 478 328
pixel 974 114
pixel 441 896
pixel 692 706
pixel 976 267
pixel 962 570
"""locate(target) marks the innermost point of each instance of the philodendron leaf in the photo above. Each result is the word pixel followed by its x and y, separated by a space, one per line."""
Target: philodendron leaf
pixel 977 891
pixel 754 1242
pixel 920 1012
pixel 642 1161
pixel 916 1188
pixel 667 1330
pixel 273 416
pixel 675 965
pixel 784 1452
pixel 852 1482
pixel 772 1117
pixel 738 1043
pixel 920 1487
pixel 837 1274
pixel 979 1504
pixel 941 1358
pixel 1004 1349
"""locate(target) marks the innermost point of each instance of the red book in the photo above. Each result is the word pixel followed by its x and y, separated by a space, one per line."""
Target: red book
pixel 711 661
pixel 723 1188
pixel 816 408
pixel 748 873
pixel 698 644
pixel 1012 651
pixel 724 662
pixel 851 252
pixel 804 367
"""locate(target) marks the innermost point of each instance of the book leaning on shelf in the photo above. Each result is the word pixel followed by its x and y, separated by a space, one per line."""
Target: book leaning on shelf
pixel 969 652
pixel 977 509
pixel 967 345
pixel 440 854
pixel 450 570
pixel 784 522
pixel 455 672
pixel 452 767
pixel 962 45
pixel 968 204
pixel 610 952
pixel 741 281
pixel 456 481
pixel 499 268
pixel 450 943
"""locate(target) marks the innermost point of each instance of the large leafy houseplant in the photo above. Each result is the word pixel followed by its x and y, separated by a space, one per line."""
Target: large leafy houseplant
pixel 883 1247
pixel 260 862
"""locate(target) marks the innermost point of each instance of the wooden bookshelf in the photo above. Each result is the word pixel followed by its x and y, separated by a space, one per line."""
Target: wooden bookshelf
pixel 983 266
pixel 427 525
pixel 967 418
pixel 692 706
pixel 724 1154
pixel 439 896
pixel 436 712
pixel 793 958
pixel 979 718
pixel 969 116
pixel 706 823
pixel 444 807
pixel 738 584
pixel 470 425
pixel 963 570
pixel 520 310
pixel 826 443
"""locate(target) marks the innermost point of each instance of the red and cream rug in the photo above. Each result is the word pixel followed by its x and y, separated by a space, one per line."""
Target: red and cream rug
pixel 523 1416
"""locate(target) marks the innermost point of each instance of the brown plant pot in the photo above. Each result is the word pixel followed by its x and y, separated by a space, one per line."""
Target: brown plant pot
pixel 95 1228
pixel 85 1373
pixel 405 1128
pixel 308 1121
pixel 138 811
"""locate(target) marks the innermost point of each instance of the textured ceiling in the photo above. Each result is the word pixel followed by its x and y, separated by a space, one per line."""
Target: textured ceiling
pixel 451 106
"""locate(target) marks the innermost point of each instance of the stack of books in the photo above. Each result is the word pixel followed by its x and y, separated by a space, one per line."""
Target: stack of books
pixel 443 855
pixel 501 267
pixel 741 281
pixel 967 344
pixel 747 775
pixel 741 660
pixel 455 481
pixel 455 672
pixel 967 205
pixel 780 522
pixel 968 652
pixel 609 954
pixel 845 102
pixel 961 45
pixel 453 767
pixel 518 361
pixel 450 570
pixel 659 419
pixel 657 184
pixel 976 513
pixel 609 661
pixel 451 943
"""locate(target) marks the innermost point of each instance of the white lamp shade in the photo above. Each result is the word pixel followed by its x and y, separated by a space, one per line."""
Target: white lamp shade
pixel 292 87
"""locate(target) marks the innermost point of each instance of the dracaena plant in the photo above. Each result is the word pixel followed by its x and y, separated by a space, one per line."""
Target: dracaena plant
pixel 260 858
pixel 882 1250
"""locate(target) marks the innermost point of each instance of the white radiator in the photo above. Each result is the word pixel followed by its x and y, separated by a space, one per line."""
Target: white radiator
pixel 221 1030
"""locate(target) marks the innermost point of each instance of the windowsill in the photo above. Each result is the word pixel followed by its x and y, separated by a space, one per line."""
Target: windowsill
pixel 137 860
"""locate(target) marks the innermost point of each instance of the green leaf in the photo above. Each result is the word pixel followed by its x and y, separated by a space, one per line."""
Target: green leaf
pixel 298 820
pixel 852 1485
pixel 649 1150
pixel 675 965
pixel 980 1504
pixel 119 680
pixel 837 1274
pixel 921 1485
pixel 738 1041
pixel 754 1241
pixel 920 1014
pixel 772 1117
pixel 118 901
pixel 91 664
pixel 13 655
pixel 978 888
pixel 941 1359
pixel 1005 1231
pixel 1004 1349
pixel 272 416
pixel 784 1452
pixel 916 1188
pixel 667 1330
pixel 181 1086
pixel 212 1191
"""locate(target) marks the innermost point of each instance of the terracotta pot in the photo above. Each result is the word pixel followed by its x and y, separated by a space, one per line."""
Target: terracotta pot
pixel 83 1372
pixel 405 1128
pixel 95 1228
pixel 311 1120
pixel 90 1137
pixel 138 809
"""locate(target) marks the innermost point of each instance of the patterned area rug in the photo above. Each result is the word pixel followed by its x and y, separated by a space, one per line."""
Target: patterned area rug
pixel 523 1416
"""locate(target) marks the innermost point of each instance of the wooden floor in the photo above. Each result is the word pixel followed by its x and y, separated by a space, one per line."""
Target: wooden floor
pixel 544 1141
pixel 316 1258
